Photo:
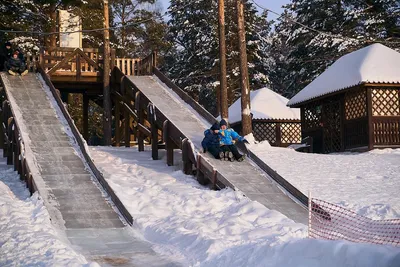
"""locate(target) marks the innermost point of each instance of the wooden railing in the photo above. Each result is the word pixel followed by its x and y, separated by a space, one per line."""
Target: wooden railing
pixel 88 65
pixel 386 130
pixel 13 145
pixel 128 66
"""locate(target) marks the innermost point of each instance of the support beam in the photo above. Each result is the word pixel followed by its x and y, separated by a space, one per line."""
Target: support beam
pixel 371 136
pixel 169 144
pixel 154 132
pixel 86 117
pixel 187 164
pixel 117 123
pixel 127 134
pixel 140 121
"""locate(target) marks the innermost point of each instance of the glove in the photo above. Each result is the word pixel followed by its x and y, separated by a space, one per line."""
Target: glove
pixel 245 141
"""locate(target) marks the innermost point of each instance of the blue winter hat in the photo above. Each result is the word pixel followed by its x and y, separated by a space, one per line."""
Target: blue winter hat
pixel 215 126
pixel 223 122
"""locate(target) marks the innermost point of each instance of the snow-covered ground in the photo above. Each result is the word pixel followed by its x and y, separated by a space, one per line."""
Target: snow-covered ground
pixel 367 183
pixel 27 237
pixel 200 227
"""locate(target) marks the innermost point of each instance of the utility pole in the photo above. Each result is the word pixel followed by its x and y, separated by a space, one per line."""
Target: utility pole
pixel 244 75
pixel 223 92
pixel 106 79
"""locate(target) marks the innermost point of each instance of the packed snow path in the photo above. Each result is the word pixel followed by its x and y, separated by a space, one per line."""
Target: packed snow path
pixel 74 201
pixel 243 176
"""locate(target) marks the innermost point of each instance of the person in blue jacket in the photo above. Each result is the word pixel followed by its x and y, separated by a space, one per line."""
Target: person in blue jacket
pixel 227 138
pixel 211 142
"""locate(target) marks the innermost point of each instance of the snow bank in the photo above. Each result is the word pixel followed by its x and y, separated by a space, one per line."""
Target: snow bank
pixel 27 236
pixel 200 227
pixel 366 183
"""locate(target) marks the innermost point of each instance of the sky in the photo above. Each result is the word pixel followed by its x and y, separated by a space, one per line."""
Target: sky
pixel 274 5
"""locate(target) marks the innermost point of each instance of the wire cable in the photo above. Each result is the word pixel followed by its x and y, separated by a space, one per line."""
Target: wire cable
pixel 322 32
pixel 97 29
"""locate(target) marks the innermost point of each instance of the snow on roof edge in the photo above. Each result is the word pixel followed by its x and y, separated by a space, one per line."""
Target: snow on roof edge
pixel 337 90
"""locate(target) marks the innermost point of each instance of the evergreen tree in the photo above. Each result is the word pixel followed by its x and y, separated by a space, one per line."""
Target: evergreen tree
pixel 326 30
pixel 193 63
pixel 143 28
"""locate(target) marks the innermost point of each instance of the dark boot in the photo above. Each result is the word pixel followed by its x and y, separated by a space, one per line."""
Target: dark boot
pixel 241 158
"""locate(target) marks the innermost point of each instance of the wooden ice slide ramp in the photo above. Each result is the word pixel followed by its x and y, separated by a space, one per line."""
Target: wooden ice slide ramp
pixel 244 176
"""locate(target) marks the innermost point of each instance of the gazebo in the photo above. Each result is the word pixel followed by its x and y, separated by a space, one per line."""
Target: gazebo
pixel 354 104
pixel 272 120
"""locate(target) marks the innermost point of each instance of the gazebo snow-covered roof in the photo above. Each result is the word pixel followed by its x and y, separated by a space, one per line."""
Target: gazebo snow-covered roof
pixel 373 64
pixel 265 104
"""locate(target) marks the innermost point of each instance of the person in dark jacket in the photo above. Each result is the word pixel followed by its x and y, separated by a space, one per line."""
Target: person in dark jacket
pixel 20 55
pixel 15 66
pixel 5 54
pixel 211 141
pixel 227 138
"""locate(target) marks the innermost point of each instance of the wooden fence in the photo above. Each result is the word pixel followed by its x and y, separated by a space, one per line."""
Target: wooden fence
pixel 13 146
pixel 129 66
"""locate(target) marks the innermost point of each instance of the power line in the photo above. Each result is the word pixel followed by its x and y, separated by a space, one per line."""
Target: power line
pixel 322 32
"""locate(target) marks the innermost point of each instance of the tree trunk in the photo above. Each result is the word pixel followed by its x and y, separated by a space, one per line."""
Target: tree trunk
pixel 223 97
pixel 244 81
pixel 106 79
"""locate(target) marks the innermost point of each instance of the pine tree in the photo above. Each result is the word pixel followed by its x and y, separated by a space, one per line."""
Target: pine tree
pixel 143 28
pixel 329 29
pixel 193 63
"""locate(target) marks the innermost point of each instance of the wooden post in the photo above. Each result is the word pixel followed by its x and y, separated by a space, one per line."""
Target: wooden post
pixel 140 115
pixel 41 58
pixel 127 134
pixel 371 136
pixel 278 134
pixel 117 123
pixel 222 62
pixel 187 164
pixel 10 141
pixel 244 84
pixel 154 132
pixel 15 148
pixel 112 62
pixel 169 145
pixel 86 117
pixel 106 79
pixel 1 129
pixel 154 61
pixel 78 67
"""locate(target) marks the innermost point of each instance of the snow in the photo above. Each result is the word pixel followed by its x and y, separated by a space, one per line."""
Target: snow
pixel 27 235
pixel 201 227
pixel 372 64
pixel 265 104
pixel 366 183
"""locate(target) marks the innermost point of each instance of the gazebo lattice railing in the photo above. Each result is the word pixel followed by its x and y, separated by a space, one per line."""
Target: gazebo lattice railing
pixel 278 132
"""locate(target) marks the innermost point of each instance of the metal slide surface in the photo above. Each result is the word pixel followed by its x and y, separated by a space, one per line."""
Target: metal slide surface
pixel 70 193
pixel 245 177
